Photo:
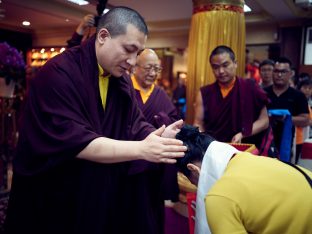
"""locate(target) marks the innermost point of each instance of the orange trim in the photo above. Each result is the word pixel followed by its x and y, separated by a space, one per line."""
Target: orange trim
pixel 226 89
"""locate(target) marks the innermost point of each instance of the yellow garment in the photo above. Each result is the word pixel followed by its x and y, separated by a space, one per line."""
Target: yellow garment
pixel 144 94
pixel 214 23
pixel 225 90
pixel 260 195
pixel 103 84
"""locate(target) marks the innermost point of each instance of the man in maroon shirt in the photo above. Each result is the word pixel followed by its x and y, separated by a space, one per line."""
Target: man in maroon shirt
pixel 73 154
pixel 232 109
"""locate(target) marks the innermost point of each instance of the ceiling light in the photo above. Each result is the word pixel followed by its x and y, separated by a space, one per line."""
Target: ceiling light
pixel 26 23
pixel 79 2
pixel 247 8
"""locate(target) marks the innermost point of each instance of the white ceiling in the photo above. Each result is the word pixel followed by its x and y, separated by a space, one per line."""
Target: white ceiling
pixel 160 14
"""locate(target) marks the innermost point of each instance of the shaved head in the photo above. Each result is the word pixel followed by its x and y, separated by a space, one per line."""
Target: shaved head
pixel 147 68
pixel 146 54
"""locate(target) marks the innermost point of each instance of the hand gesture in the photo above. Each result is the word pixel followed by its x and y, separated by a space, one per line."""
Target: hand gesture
pixel 172 130
pixel 87 21
pixel 160 149
pixel 237 138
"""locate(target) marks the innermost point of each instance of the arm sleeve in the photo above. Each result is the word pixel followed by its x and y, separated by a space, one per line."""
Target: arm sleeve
pixel 75 40
pixel 224 216
pixel 302 106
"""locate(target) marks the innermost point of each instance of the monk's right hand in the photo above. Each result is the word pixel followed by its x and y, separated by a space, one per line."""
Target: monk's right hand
pixel 155 148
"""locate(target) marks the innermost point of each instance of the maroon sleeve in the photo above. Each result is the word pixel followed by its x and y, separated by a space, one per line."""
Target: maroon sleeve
pixel 75 40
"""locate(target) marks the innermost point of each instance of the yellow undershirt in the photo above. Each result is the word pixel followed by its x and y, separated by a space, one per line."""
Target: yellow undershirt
pixel 103 84
pixel 225 90
pixel 144 94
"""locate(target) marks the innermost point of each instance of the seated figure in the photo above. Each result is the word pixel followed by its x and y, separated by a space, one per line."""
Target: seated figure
pixel 242 193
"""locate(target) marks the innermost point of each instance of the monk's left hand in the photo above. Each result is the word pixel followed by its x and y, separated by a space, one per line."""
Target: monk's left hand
pixel 172 129
pixel 237 138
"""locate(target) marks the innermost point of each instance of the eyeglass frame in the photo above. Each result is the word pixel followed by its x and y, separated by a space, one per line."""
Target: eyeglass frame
pixel 282 72
pixel 149 68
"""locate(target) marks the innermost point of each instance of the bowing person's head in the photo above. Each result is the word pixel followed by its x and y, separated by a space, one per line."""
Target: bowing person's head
pixel 121 36
pixel 197 143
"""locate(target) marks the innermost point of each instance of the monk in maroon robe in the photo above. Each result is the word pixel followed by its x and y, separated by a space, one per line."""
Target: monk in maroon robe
pixel 150 183
pixel 72 160
pixel 232 109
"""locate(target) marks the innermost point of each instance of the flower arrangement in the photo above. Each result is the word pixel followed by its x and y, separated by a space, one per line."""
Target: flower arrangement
pixel 12 65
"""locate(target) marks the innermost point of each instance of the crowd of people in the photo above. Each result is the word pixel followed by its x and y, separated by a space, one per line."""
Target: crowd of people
pixel 100 142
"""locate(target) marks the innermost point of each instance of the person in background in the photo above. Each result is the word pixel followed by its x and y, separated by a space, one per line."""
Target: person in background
pixel 86 23
pixel 232 109
pixel 149 184
pixel 266 72
pixel 81 128
pixel 179 95
pixel 300 77
pixel 252 68
pixel 283 96
pixel 303 133
pixel 238 192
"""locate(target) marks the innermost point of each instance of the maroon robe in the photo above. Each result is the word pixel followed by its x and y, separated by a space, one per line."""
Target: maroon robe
pixel 52 190
pixel 225 117
pixel 149 184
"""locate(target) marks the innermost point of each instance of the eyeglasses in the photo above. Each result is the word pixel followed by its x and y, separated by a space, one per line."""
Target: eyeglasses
pixel 282 72
pixel 149 68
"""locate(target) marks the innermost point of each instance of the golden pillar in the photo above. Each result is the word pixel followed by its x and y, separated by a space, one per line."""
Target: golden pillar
pixel 214 23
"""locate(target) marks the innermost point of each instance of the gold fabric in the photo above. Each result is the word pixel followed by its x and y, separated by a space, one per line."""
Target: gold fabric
pixel 103 84
pixel 214 23
pixel 144 94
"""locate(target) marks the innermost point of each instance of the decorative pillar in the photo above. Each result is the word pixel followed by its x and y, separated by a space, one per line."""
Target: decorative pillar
pixel 214 23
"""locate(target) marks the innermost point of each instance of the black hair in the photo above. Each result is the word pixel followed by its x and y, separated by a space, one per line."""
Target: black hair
pixel 304 75
pixel 197 144
pixel 117 19
pixel 283 60
pixel 222 49
pixel 100 7
pixel 304 82
pixel 266 62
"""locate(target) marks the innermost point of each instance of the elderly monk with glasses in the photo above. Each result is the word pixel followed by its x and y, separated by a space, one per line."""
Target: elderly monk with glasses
pixel 149 184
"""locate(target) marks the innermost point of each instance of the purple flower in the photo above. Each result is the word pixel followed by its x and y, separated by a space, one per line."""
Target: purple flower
pixel 12 64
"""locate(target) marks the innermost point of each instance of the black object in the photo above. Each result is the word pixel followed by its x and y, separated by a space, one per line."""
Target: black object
pixel 309 180
pixel 100 7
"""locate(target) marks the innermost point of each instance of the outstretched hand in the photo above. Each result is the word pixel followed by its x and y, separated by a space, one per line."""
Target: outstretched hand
pixel 172 129
pixel 160 149
pixel 237 138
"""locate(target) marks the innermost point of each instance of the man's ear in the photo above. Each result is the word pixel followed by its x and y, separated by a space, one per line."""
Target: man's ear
pixel 235 64
pixel 193 168
pixel 102 35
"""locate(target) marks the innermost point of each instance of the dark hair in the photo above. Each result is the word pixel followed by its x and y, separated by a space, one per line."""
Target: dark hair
pixel 304 75
pixel 100 7
pixel 283 60
pixel 117 20
pixel 197 144
pixel 222 49
pixel 304 82
pixel 266 62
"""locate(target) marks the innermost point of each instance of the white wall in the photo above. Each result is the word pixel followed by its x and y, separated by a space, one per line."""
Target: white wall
pixel 308 47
